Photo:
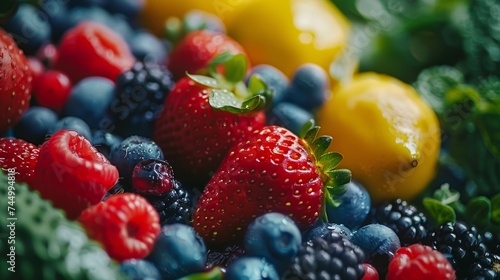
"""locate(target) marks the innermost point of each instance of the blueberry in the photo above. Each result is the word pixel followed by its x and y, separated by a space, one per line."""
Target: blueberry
pixel 197 20
pixel 178 251
pixel 289 115
pixel 128 8
pixel 251 268
pixel 56 11
pixel 137 269
pixel 275 80
pixel 379 243
pixel 275 237
pixel 130 152
pixel 309 87
pixel 117 23
pixel 104 141
pixel 89 100
pixel 30 28
pixel 35 124
pixel 72 123
pixel 321 229
pixel 147 47
pixel 86 3
pixel 354 207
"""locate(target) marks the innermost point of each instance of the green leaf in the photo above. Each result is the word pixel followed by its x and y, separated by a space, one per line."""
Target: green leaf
pixel 235 68
pixel 204 80
pixel 330 160
pixel 219 59
pixel 320 144
pixel 213 274
pixel 226 101
pixel 311 135
pixel 449 197
pixel 256 84
pixel 336 191
pixel 440 212
pixel 305 128
pixel 339 177
pixel 495 209
pixel 479 211
pixel 488 126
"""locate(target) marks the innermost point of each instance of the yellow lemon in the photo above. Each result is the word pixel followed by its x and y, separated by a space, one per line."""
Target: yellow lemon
pixel 289 33
pixel 389 137
pixel 155 12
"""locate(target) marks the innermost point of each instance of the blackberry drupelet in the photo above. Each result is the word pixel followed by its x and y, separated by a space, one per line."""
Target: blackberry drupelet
pixel 140 94
pixel 492 241
pixel 460 243
pixel 175 206
pixel 486 266
pixel 404 219
pixel 329 257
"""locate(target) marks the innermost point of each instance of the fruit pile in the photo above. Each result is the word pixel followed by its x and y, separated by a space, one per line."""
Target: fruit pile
pixel 236 140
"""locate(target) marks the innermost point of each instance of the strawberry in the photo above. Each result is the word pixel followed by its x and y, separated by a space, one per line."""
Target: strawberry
pixel 125 224
pixel 197 49
pixel 15 82
pixel 72 173
pixel 21 155
pixel 202 119
pixel 92 49
pixel 272 170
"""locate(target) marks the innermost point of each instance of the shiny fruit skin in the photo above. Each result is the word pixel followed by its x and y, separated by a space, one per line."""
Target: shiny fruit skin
pixel 389 136
pixel 289 33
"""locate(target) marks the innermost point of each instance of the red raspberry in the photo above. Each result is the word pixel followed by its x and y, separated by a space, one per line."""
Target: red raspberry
pixel 52 89
pixel 125 224
pixel 72 173
pixel 418 262
pixel 92 49
pixel 370 272
pixel 21 155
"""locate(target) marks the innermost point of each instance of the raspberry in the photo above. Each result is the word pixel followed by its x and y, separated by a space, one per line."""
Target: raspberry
pixel 125 224
pixel 92 49
pixel 404 219
pixel 52 89
pixel 21 155
pixel 72 173
pixel 371 272
pixel 419 262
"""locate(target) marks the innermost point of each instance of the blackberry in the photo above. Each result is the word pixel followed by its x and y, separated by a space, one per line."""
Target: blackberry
pixel 492 242
pixel 461 245
pixel 486 266
pixel 328 257
pixel 404 219
pixel 175 206
pixel 224 256
pixel 140 94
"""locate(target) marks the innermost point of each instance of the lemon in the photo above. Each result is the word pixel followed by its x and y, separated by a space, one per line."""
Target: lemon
pixel 289 33
pixel 389 137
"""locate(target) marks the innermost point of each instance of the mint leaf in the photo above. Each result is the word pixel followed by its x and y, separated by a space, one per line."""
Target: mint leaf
pixel 488 125
pixel 495 209
pixel 235 68
pixel 440 212
pixel 478 211
pixel 449 197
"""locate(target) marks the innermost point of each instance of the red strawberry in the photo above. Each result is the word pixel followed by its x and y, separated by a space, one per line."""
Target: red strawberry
pixel 197 49
pixel 72 173
pixel 15 82
pixel 272 170
pixel 21 155
pixel 202 119
pixel 125 224
pixel 92 49
pixel 419 262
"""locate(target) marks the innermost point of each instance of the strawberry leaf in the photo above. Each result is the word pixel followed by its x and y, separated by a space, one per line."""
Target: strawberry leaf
pixel 204 80
pixel 339 177
pixel 256 84
pixel 225 100
pixel 311 134
pixel 235 68
pixel 320 144
pixel 330 160
pixel 213 274
pixel 441 213
pixel 219 59
pixel 495 209
pixel 478 211
pixel 306 128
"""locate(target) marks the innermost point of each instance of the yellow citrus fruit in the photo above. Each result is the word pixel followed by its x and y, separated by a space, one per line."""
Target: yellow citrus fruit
pixel 155 12
pixel 389 137
pixel 289 33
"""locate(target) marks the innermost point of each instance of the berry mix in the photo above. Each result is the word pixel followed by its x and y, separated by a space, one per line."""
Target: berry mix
pixel 187 153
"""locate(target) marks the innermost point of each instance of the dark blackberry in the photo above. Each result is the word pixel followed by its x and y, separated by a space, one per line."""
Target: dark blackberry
pixel 492 242
pixel 328 257
pixel 485 267
pixel 404 219
pixel 175 206
pixel 140 94
pixel 460 244
pixel 224 256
